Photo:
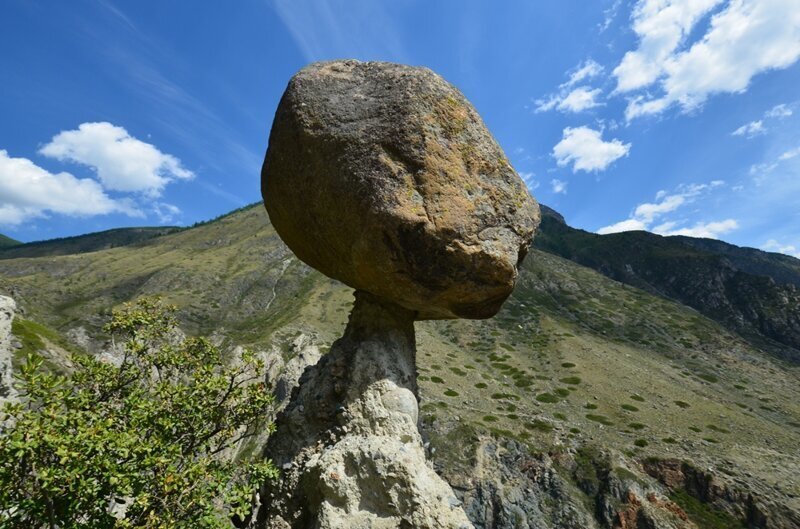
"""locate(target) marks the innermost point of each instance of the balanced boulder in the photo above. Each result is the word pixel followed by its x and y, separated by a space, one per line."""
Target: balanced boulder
pixel 384 177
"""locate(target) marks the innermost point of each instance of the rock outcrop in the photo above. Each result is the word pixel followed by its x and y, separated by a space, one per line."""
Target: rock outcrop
pixel 384 177
pixel 348 444
pixel 7 310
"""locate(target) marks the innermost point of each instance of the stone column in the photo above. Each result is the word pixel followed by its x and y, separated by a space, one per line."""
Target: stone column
pixel 348 445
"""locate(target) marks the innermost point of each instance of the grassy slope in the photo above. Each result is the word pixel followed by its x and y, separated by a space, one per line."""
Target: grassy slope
pixel 6 241
pixel 729 284
pixel 81 243
pixel 569 349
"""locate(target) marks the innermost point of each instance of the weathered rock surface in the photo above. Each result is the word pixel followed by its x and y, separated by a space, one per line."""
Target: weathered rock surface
pixel 348 444
pixel 505 486
pixel 384 176
pixel 7 310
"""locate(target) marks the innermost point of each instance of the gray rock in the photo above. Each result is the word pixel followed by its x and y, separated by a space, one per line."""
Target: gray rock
pixel 384 177
pixel 7 342
pixel 348 443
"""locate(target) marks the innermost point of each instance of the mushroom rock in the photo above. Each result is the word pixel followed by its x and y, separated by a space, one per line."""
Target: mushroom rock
pixel 384 177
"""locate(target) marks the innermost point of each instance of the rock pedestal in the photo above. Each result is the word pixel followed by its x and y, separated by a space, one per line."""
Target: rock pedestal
pixel 7 310
pixel 384 177
pixel 347 444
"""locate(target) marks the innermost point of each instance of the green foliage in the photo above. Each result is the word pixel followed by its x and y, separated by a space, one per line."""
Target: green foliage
pixel 702 514
pixel 548 398
pixel 602 419
pixel 151 436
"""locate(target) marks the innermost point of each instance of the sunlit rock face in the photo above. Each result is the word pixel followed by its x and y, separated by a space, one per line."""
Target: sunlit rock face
pixel 384 177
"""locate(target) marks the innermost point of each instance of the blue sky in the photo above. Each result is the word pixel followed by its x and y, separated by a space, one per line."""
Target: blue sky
pixel 676 116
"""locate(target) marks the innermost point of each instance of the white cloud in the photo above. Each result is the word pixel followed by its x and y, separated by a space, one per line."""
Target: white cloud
pixel 570 98
pixel 706 230
pixel 582 98
pixel 587 70
pixel 586 150
pixel 122 162
pixel 559 186
pixel 166 212
pixel 662 25
pixel 646 214
pixel 28 191
pixel 623 225
pixel 577 100
pixel 788 155
pixel 745 38
pixel 752 129
pixel 761 171
pixel 755 128
pixel 774 246
pixel 779 111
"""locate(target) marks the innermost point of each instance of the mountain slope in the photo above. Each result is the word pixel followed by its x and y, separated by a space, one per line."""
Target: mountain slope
pixel 581 389
pixel 90 242
pixel 751 292
pixel 6 241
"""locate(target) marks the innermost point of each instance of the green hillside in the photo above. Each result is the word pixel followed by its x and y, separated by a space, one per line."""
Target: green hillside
pixel 577 369
pixel 6 241
pixel 748 291
pixel 81 243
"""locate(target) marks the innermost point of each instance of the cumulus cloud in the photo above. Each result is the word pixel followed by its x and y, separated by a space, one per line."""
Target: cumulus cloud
pixel 774 246
pixel 571 98
pixel 558 186
pixel 577 100
pixel 122 162
pixel 645 215
pixel 745 38
pixel 661 25
pixel 28 191
pixel 585 149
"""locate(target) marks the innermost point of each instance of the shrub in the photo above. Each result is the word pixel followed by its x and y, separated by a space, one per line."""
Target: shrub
pixel 629 407
pixel 548 398
pixel 681 404
pixel 152 434
pixel 602 419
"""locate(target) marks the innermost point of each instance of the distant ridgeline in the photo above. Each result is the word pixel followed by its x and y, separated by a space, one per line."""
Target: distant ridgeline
pixel 6 242
pixel 752 292
pixel 92 242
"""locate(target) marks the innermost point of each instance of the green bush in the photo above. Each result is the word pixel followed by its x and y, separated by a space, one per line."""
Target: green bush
pixel 151 435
